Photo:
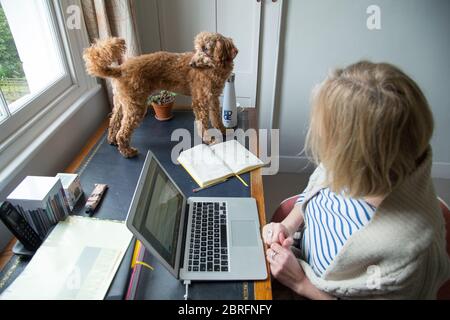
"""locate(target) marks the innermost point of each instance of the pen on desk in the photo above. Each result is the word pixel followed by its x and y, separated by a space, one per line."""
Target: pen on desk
pixel 95 198
pixel 241 180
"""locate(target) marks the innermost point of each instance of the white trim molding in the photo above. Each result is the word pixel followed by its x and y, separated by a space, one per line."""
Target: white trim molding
pixel 298 164
pixel 440 170
pixel 269 46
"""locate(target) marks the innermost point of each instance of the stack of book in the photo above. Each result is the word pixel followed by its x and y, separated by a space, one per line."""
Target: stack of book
pixel 72 187
pixel 41 201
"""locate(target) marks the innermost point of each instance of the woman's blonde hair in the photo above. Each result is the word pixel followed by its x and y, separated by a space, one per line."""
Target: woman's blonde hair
pixel 370 124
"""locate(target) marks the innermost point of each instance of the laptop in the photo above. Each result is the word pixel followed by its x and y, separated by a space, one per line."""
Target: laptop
pixel 199 238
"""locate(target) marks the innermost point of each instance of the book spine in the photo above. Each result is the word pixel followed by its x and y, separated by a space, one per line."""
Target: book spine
pixel 60 205
pixel 45 213
pixel 65 204
pixel 55 209
pixel 37 215
pixel 34 214
pixel 27 217
pixel 48 221
pixel 136 273
pixel 50 213
pixel 44 219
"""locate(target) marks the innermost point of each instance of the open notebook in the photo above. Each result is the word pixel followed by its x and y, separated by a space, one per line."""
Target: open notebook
pixel 209 165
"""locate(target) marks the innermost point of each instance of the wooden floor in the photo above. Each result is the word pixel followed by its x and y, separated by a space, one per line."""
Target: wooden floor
pixel 7 254
pixel 87 148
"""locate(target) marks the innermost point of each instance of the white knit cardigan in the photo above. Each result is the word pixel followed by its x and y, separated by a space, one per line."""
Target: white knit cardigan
pixel 400 254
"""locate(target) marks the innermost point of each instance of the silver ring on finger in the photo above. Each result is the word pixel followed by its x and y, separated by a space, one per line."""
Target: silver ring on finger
pixel 273 255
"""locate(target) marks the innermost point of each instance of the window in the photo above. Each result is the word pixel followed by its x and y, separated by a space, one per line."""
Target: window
pixel 33 65
pixel 43 81
pixel 30 55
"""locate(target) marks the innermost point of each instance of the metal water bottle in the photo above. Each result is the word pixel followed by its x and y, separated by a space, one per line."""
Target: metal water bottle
pixel 229 110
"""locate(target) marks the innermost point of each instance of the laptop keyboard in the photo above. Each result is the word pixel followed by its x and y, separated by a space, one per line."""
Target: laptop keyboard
pixel 208 250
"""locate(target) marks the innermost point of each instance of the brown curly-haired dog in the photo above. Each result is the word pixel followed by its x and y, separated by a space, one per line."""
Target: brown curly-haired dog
pixel 200 74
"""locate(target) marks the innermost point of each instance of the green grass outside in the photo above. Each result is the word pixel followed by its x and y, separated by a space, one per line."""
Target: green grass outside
pixel 13 89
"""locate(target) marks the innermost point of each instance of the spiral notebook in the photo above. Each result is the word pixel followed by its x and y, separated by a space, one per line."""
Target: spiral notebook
pixel 209 165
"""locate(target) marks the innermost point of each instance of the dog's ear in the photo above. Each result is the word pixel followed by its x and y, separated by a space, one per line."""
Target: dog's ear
pixel 226 50
pixel 220 51
pixel 232 51
pixel 201 60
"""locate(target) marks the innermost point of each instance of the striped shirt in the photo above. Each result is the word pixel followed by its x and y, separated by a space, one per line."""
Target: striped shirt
pixel 330 220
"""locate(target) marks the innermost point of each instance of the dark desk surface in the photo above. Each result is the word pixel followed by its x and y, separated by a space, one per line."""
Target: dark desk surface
pixel 102 163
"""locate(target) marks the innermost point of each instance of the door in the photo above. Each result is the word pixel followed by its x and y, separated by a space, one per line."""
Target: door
pixel 240 20
pixel 181 20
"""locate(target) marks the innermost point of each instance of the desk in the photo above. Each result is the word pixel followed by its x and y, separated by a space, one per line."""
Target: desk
pixel 101 163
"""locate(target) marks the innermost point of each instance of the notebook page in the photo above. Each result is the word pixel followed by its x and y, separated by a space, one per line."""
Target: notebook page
pixel 203 165
pixel 236 156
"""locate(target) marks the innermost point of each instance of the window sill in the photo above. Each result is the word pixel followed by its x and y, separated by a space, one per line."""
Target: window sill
pixel 20 148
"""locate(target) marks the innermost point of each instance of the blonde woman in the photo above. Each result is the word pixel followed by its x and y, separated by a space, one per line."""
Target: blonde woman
pixel 369 219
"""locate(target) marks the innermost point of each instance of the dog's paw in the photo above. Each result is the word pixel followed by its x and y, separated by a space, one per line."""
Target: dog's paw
pixel 129 152
pixel 112 139
pixel 210 140
pixel 113 143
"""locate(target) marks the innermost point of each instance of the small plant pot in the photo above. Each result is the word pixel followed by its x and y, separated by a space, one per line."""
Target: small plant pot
pixel 163 112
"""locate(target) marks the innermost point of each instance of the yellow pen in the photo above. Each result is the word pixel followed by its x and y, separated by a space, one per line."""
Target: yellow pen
pixel 242 180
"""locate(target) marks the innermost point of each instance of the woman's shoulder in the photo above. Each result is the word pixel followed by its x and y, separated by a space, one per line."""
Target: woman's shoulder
pixel 317 179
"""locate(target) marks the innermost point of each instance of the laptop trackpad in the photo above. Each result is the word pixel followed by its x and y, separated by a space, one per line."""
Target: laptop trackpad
pixel 243 233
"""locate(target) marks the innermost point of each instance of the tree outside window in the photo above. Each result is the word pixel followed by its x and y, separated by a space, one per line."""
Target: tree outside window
pixel 13 83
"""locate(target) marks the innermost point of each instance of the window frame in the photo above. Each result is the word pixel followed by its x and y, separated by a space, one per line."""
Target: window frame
pixel 23 132
pixel 31 105
pixel 59 87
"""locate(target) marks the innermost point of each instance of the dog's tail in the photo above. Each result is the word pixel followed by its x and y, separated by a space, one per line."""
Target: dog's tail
pixel 102 54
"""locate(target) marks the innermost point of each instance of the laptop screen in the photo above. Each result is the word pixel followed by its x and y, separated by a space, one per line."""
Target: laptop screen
pixel 158 212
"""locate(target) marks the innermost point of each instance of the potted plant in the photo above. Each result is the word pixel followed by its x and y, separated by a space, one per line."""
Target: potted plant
pixel 162 102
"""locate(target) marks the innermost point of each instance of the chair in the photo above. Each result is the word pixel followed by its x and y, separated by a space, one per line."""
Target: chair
pixel 284 208
pixel 444 292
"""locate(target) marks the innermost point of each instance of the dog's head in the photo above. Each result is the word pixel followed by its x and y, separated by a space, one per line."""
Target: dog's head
pixel 212 50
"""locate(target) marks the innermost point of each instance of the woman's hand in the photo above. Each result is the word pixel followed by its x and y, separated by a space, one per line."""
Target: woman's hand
pixel 284 265
pixel 272 232
pixel 287 270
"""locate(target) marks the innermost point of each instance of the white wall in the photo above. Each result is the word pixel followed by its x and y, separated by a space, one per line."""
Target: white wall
pixel 59 151
pixel 320 35
pixel 148 25
pixel 171 25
